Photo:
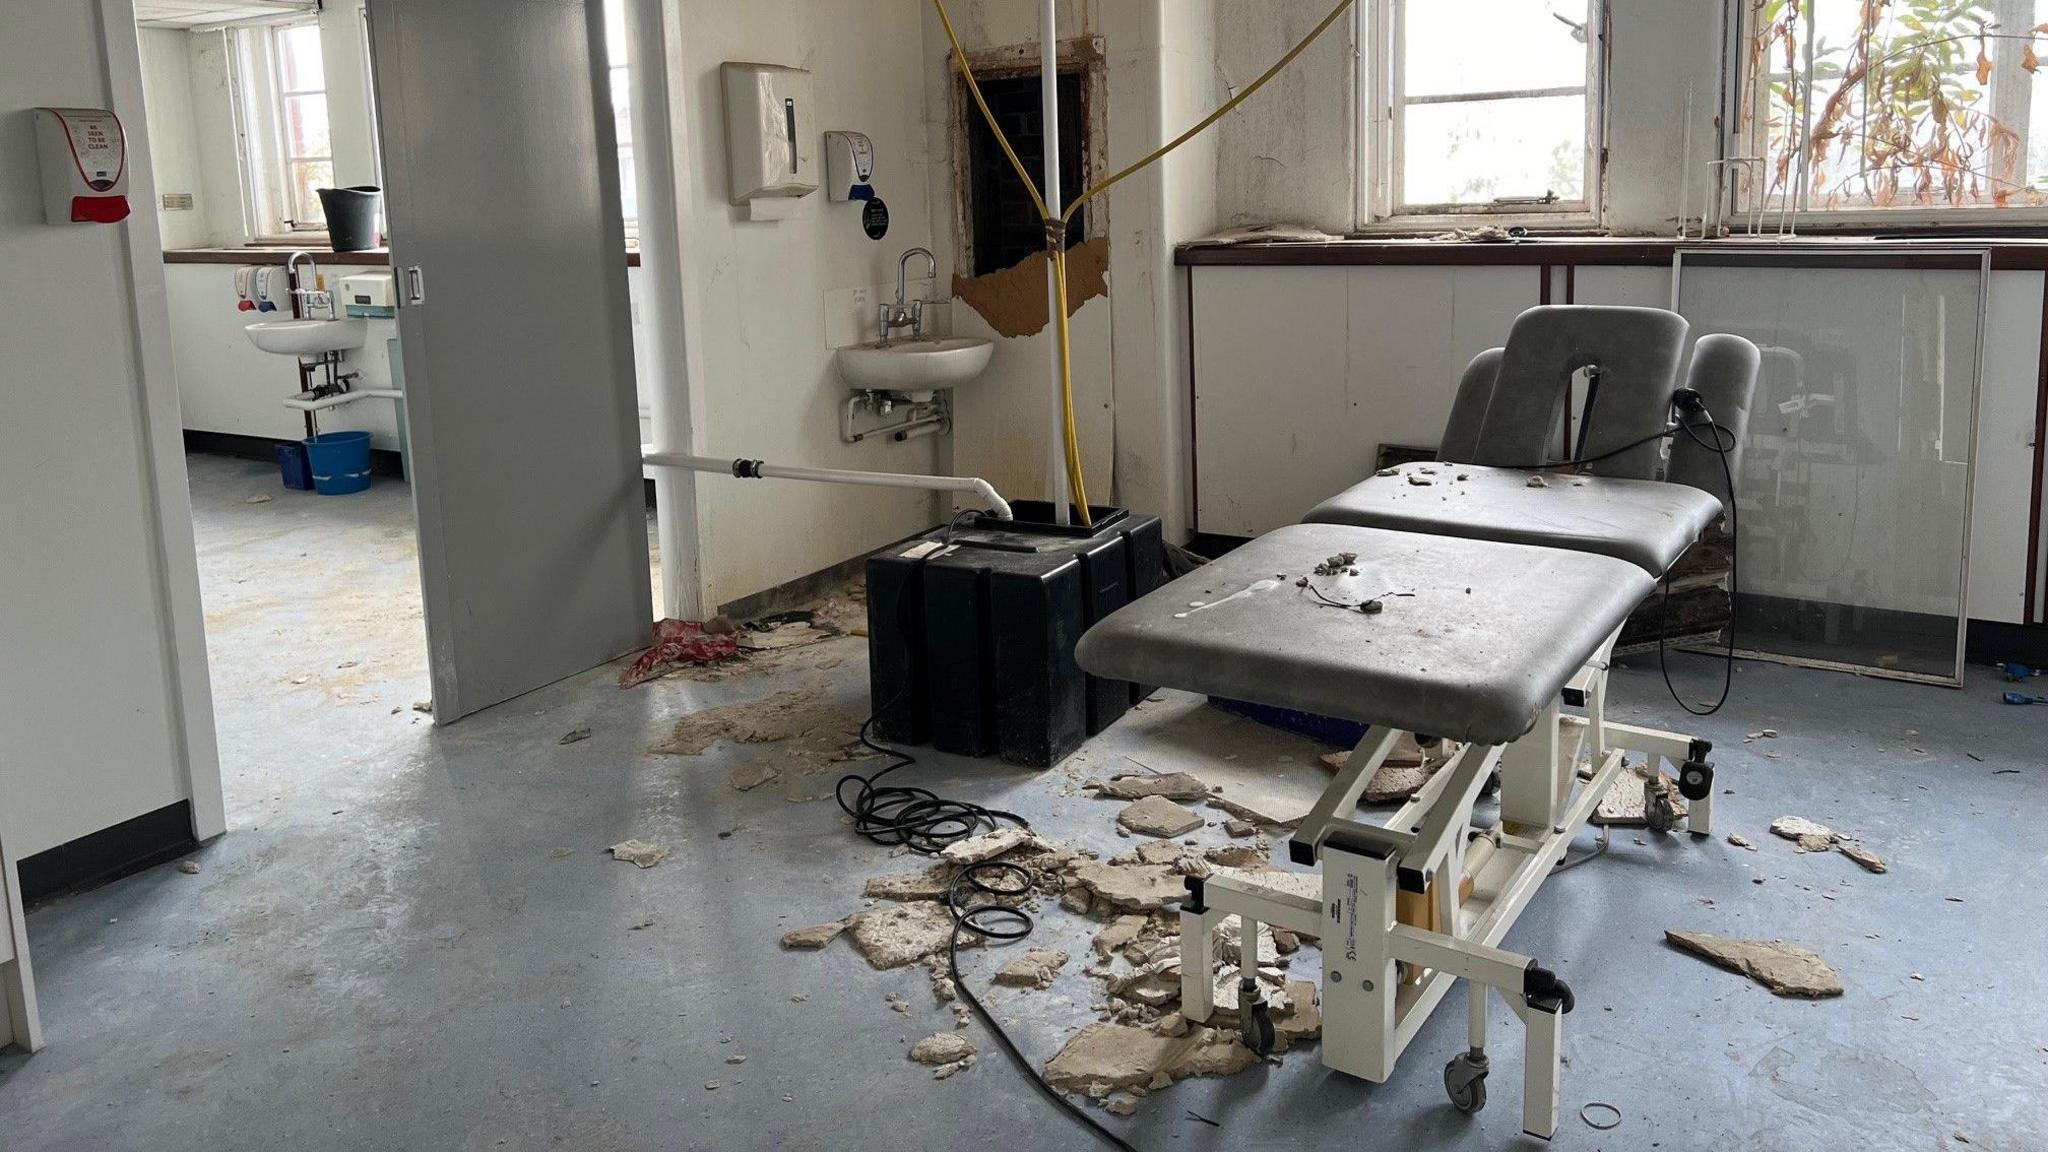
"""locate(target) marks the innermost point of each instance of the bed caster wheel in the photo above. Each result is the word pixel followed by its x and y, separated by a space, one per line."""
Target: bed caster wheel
pixel 1465 1081
pixel 1659 814
pixel 1695 780
pixel 1256 1028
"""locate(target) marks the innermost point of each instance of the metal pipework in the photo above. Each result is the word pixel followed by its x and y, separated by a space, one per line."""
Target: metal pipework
pixel 761 470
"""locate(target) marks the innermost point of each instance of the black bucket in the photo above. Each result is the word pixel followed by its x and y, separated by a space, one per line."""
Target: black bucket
pixel 352 216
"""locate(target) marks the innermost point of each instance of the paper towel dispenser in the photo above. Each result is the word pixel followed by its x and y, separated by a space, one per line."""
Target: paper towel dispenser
pixel 770 137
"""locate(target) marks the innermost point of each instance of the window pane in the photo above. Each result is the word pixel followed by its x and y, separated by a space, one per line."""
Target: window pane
pixel 622 105
pixel 307 176
pixel 298 59
pixel 1912 106
pixel 1472 153
pixel 1493 45
pixel 305 126
pixel 629 189
pixel 615 32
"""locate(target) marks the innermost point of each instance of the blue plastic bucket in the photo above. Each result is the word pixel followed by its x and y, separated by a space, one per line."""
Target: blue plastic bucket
pixel 340 461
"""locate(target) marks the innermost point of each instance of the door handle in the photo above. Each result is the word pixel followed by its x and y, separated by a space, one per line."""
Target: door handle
pixel 415 286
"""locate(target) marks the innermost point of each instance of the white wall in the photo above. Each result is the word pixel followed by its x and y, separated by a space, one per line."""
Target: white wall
pixel 227 384
pixel 167 89
pixel 775 297
pixel 93 727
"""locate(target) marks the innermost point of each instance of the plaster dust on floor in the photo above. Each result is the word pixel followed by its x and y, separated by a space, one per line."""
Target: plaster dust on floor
pixel 449 889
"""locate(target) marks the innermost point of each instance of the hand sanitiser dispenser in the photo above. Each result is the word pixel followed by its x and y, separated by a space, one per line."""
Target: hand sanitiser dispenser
pixel 770 138
pixel 84 157
pixel 849 166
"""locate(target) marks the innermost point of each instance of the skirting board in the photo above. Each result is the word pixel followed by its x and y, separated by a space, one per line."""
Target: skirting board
pixel 108 854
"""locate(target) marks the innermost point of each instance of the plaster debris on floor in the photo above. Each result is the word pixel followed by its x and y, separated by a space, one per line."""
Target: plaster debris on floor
pixel 1624 806
pixel 1036 968
pixel 1786 969
pixel 809 728
pixel 1138 785
pixel 641 852
pixel 1810 836
pixel 1158 816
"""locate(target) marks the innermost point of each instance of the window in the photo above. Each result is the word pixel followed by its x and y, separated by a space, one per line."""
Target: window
pixel 1005 226
pixel 622 111
pixel 1851 108
pixel 287 150
pixel 1483 106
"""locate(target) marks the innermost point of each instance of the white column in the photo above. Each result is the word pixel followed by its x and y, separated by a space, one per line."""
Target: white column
pixel 1049 109
pixel 661 149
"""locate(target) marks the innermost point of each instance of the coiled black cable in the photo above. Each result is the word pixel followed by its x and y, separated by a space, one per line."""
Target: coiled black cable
pixel 978 902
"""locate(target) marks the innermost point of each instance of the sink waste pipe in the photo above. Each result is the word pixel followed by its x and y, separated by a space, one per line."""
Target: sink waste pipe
pixel 761 470
pixel 1056 217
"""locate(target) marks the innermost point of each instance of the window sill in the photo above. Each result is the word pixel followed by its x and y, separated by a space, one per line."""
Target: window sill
pixel 2007 251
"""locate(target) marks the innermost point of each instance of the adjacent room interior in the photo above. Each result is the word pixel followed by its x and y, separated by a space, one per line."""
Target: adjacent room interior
pixel 1124 573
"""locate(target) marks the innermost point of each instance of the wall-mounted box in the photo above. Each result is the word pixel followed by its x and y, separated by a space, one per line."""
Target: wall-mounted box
pixel 770 137
pixel 83 154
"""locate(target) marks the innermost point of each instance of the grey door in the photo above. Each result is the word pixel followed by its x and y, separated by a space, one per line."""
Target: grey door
pixel 503 210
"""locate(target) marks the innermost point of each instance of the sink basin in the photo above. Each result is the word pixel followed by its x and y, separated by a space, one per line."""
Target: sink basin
pixel 914 365
pixel 306 337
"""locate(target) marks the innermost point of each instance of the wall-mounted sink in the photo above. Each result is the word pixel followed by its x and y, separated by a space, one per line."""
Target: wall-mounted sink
pixel 914 366
pixel 306 337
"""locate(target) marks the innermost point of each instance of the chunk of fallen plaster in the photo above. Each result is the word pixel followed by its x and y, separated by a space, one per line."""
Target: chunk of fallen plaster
pixel 1103 1058
pixel 1785 969
pixel 903 935
pixel 1740 841
pixel 1810 837
pixel 923 884
pixel 1121 1106
pixel 1419 481
pixel 1116 934
pixel 988 846
pixel 641 852
pixel 1870 861
pixel 1253 857
pixel 1138 785
pixel 1158 816
pixel 1238 829
pixel 1036 968
pixel 1397 782
pixel 1253 815
pixel 942 1048
pixel 812 938
pixel 1538 482
pixel 947 1071
pixel 748 777
pixel 1136 887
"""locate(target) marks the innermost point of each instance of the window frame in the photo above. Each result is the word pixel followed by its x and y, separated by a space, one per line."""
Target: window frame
pixel 259 101
pixel 1745 136
pixel 1382 143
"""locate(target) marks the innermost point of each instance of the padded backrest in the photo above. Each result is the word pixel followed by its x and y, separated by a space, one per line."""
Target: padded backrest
pixel 1724 371
pixel 1468 411
pixel 1636 353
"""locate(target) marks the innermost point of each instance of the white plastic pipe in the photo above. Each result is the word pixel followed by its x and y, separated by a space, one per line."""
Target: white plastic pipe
pixel 1049 111
pixel 756 469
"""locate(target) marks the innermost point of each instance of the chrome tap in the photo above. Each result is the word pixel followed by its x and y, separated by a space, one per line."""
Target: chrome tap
pixel 907 313
pixel 308 298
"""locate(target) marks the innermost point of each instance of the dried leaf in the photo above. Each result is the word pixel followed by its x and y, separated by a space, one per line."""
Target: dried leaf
pixel 2028 60
pixel 1983 67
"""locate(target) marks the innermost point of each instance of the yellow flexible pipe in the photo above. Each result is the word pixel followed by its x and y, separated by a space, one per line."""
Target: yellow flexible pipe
pixel 1056 230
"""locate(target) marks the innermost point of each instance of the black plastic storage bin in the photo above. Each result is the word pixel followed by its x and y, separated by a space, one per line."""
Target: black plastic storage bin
pixel 971 635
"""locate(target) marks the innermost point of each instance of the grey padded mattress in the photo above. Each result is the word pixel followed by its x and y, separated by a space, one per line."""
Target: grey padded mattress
pixel 1473 640
pixel 1648 523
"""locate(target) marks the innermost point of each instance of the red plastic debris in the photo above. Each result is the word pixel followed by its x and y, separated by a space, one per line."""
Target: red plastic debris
pixel 678 642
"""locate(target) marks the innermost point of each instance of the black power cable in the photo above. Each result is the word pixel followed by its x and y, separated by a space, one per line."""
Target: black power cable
pixel 1690 405
pixel 977 898
pixel 1689 427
